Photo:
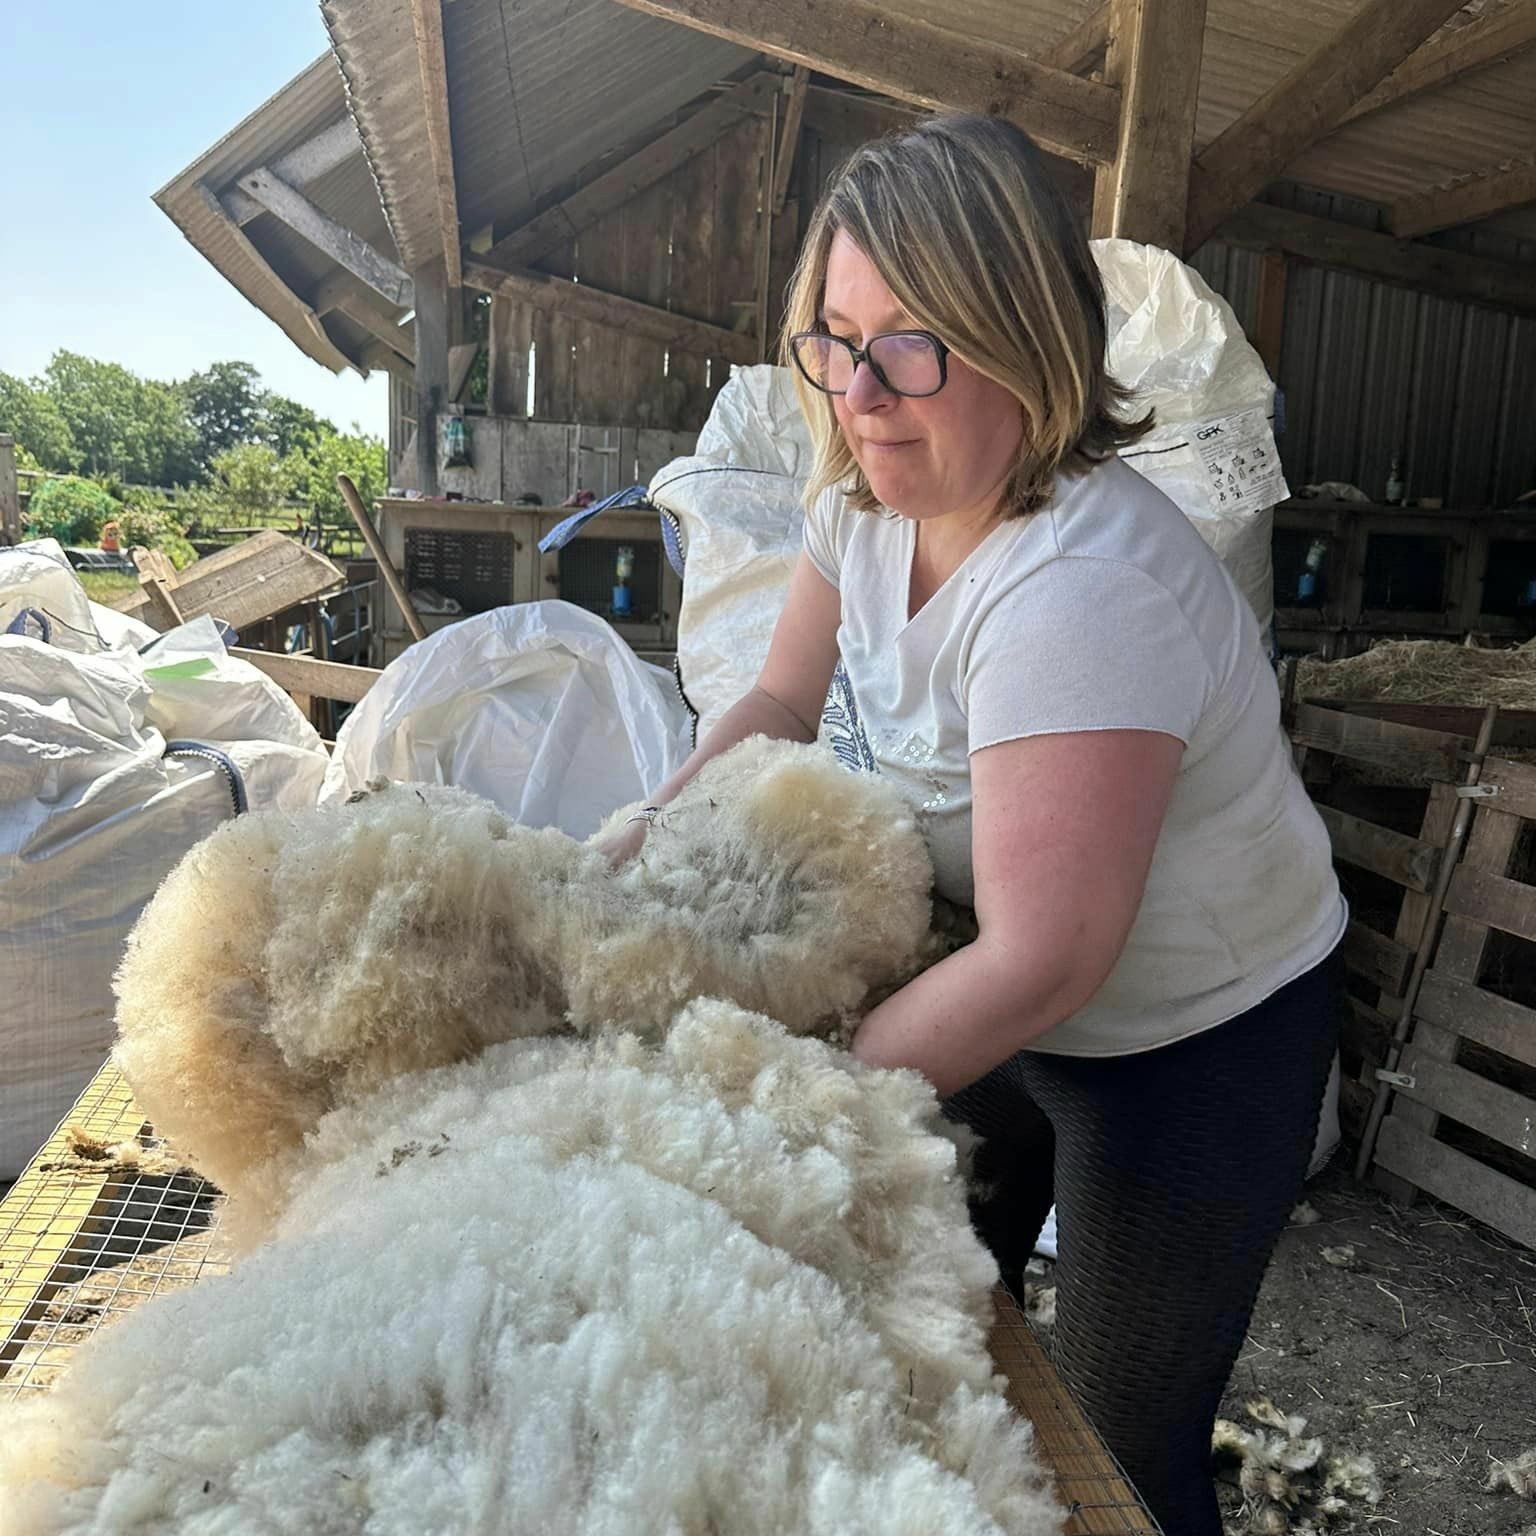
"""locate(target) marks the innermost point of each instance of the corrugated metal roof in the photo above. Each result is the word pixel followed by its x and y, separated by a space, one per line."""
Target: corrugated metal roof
pixel 537 91
pixel 273 267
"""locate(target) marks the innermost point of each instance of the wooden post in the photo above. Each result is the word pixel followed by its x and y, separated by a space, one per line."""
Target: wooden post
pixel 10 500
pixel 432 340
pixel 1269 330
pixel 1154 54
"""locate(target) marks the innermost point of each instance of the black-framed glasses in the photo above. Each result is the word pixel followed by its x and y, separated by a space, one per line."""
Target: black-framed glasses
pixel 911 363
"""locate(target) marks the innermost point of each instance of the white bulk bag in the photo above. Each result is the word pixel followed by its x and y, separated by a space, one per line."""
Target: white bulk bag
pixel 40 595
pixel 737 500
pixel 1176 343
pixel 542 708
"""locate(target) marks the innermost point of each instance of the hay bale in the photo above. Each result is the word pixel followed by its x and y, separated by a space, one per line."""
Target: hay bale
pixel 1425 672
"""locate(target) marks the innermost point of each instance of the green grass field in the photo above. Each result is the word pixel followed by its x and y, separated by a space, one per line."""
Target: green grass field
pixel 107 586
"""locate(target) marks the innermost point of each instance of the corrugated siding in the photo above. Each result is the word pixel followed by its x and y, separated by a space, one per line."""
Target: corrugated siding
pixel 1371 371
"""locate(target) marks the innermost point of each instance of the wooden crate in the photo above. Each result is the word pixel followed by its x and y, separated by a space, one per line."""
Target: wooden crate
pixel 1463 1125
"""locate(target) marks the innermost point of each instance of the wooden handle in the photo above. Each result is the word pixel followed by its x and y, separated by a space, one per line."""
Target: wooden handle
pixel 376 548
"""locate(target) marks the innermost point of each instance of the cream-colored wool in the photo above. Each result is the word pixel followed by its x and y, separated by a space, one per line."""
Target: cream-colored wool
pixel 725 1283
pixel 294 962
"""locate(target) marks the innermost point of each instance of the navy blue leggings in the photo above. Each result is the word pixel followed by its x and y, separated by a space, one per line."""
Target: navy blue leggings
pixel 1172 1172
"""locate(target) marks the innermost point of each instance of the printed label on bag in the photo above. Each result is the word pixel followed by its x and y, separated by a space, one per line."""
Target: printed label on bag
pixel 1241 462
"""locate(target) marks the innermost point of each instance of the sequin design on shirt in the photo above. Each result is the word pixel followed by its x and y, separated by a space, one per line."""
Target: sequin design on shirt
pixel 843 727
pixel 915 754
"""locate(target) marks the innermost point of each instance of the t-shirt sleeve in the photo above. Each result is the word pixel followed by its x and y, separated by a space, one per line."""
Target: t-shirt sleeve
pixel 826 535
pixel 1084 645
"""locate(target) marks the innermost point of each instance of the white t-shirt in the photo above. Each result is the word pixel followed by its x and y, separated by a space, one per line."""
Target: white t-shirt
pixel 1103 611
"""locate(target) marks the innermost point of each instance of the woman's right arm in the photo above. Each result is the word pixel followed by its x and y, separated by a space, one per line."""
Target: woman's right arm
pixel 786 700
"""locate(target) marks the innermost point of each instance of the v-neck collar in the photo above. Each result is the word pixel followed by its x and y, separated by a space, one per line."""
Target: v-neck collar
pixel 909 558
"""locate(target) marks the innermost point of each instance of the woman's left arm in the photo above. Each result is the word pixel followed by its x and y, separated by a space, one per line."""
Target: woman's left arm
pixel 1063 831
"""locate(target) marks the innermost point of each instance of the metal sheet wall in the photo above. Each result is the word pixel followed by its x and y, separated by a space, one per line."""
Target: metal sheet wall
pixel 1372 371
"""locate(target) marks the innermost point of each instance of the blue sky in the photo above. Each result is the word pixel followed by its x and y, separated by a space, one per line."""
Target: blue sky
pixel 101 103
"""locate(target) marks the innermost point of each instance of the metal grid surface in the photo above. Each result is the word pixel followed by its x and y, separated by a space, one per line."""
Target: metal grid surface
pixel 86 1236
pixel 1099 1497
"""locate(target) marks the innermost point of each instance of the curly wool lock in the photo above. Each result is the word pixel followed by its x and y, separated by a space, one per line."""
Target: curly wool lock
pixel 292 963
pixel 724 1283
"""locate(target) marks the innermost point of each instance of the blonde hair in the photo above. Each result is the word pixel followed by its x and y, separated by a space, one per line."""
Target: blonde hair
pixel 961 219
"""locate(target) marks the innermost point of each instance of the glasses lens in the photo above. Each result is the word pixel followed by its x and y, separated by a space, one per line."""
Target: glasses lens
pixel 826 361
pixel 909 362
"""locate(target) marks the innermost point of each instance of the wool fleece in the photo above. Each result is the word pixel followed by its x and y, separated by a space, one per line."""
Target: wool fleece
pixel 294 962
pixel 564 1208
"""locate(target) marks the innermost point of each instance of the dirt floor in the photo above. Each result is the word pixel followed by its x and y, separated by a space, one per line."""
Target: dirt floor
pixel 1407 1336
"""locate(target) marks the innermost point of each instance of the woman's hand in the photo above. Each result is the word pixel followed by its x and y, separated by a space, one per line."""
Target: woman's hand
pixel 624 842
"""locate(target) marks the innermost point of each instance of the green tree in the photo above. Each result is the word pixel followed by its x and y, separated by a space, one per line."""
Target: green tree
pixel 290 427
pixel 252 482
pixel 345 453
pixel 164 447
pixel 133 429
pixel 69 510
pixel 224 404
pixel 31 417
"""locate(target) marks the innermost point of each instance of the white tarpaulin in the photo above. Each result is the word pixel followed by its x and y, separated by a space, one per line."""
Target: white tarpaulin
pixel 542 708
pixel 95 808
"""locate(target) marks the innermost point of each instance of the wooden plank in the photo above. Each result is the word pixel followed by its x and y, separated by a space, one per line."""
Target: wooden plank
pixel 1477 1014
pixel 1481 196
pixel 645 168
pixel 427 23
pixel 693 286
pixel 1384 961
pixel 1406 860
pixel 247 582
pixel 1084 44
pixel 1450 274
pixel 332 239
pixel 859 41
pixel 1305 106
pixel 1367 1030
pixel 789 137
pixel 1514 727
pixel 580 302
pixel 1492 1197
pixel 1155 48
pixel 328 149
pixel 1489 1108
pixel 372 311
pixel 434 300
pixel 846 119
pixel 1492 39
pixel 1415 753
pixel 1516 785
pixel 305 675
pixel 647 263
pixel 1502 903
pixel 511 335
pixel 599 347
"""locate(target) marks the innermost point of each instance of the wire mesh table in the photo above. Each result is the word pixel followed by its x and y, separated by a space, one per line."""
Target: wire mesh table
pixel 102 1219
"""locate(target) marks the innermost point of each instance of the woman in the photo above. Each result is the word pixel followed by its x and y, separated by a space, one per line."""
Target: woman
pixel 1033 643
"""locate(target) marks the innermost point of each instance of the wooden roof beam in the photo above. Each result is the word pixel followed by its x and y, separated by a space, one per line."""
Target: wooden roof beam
pixel 1154 56
pixel 345 248
pixel 1449 274
pixel 381 319
pixel 859 41
pixel 1463 202
pixel 1479 45
pixel 1085 44
pixel 583 302
pixel 427 22
pixel 1307 105
pixel 647 166
pixel 329 148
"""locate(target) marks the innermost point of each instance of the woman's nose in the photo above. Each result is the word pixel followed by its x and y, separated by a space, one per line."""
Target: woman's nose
pixel 865 391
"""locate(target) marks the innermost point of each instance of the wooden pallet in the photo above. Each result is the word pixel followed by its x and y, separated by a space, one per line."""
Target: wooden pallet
pixel 1471 1059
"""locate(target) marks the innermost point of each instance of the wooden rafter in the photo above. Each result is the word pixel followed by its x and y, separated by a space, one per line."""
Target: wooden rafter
pixel 427 22
pixel 848 118
pixel 583 302
pixel 381 319
pixel 335 240
pixel 630 177
pixel 1306 106
pixel 1462 202
pixel 789 137
pixel 1481 44
pixel 1450 274
pixel 861 42
pixel 329 148
pixel 1084 44
pixel 1154 56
